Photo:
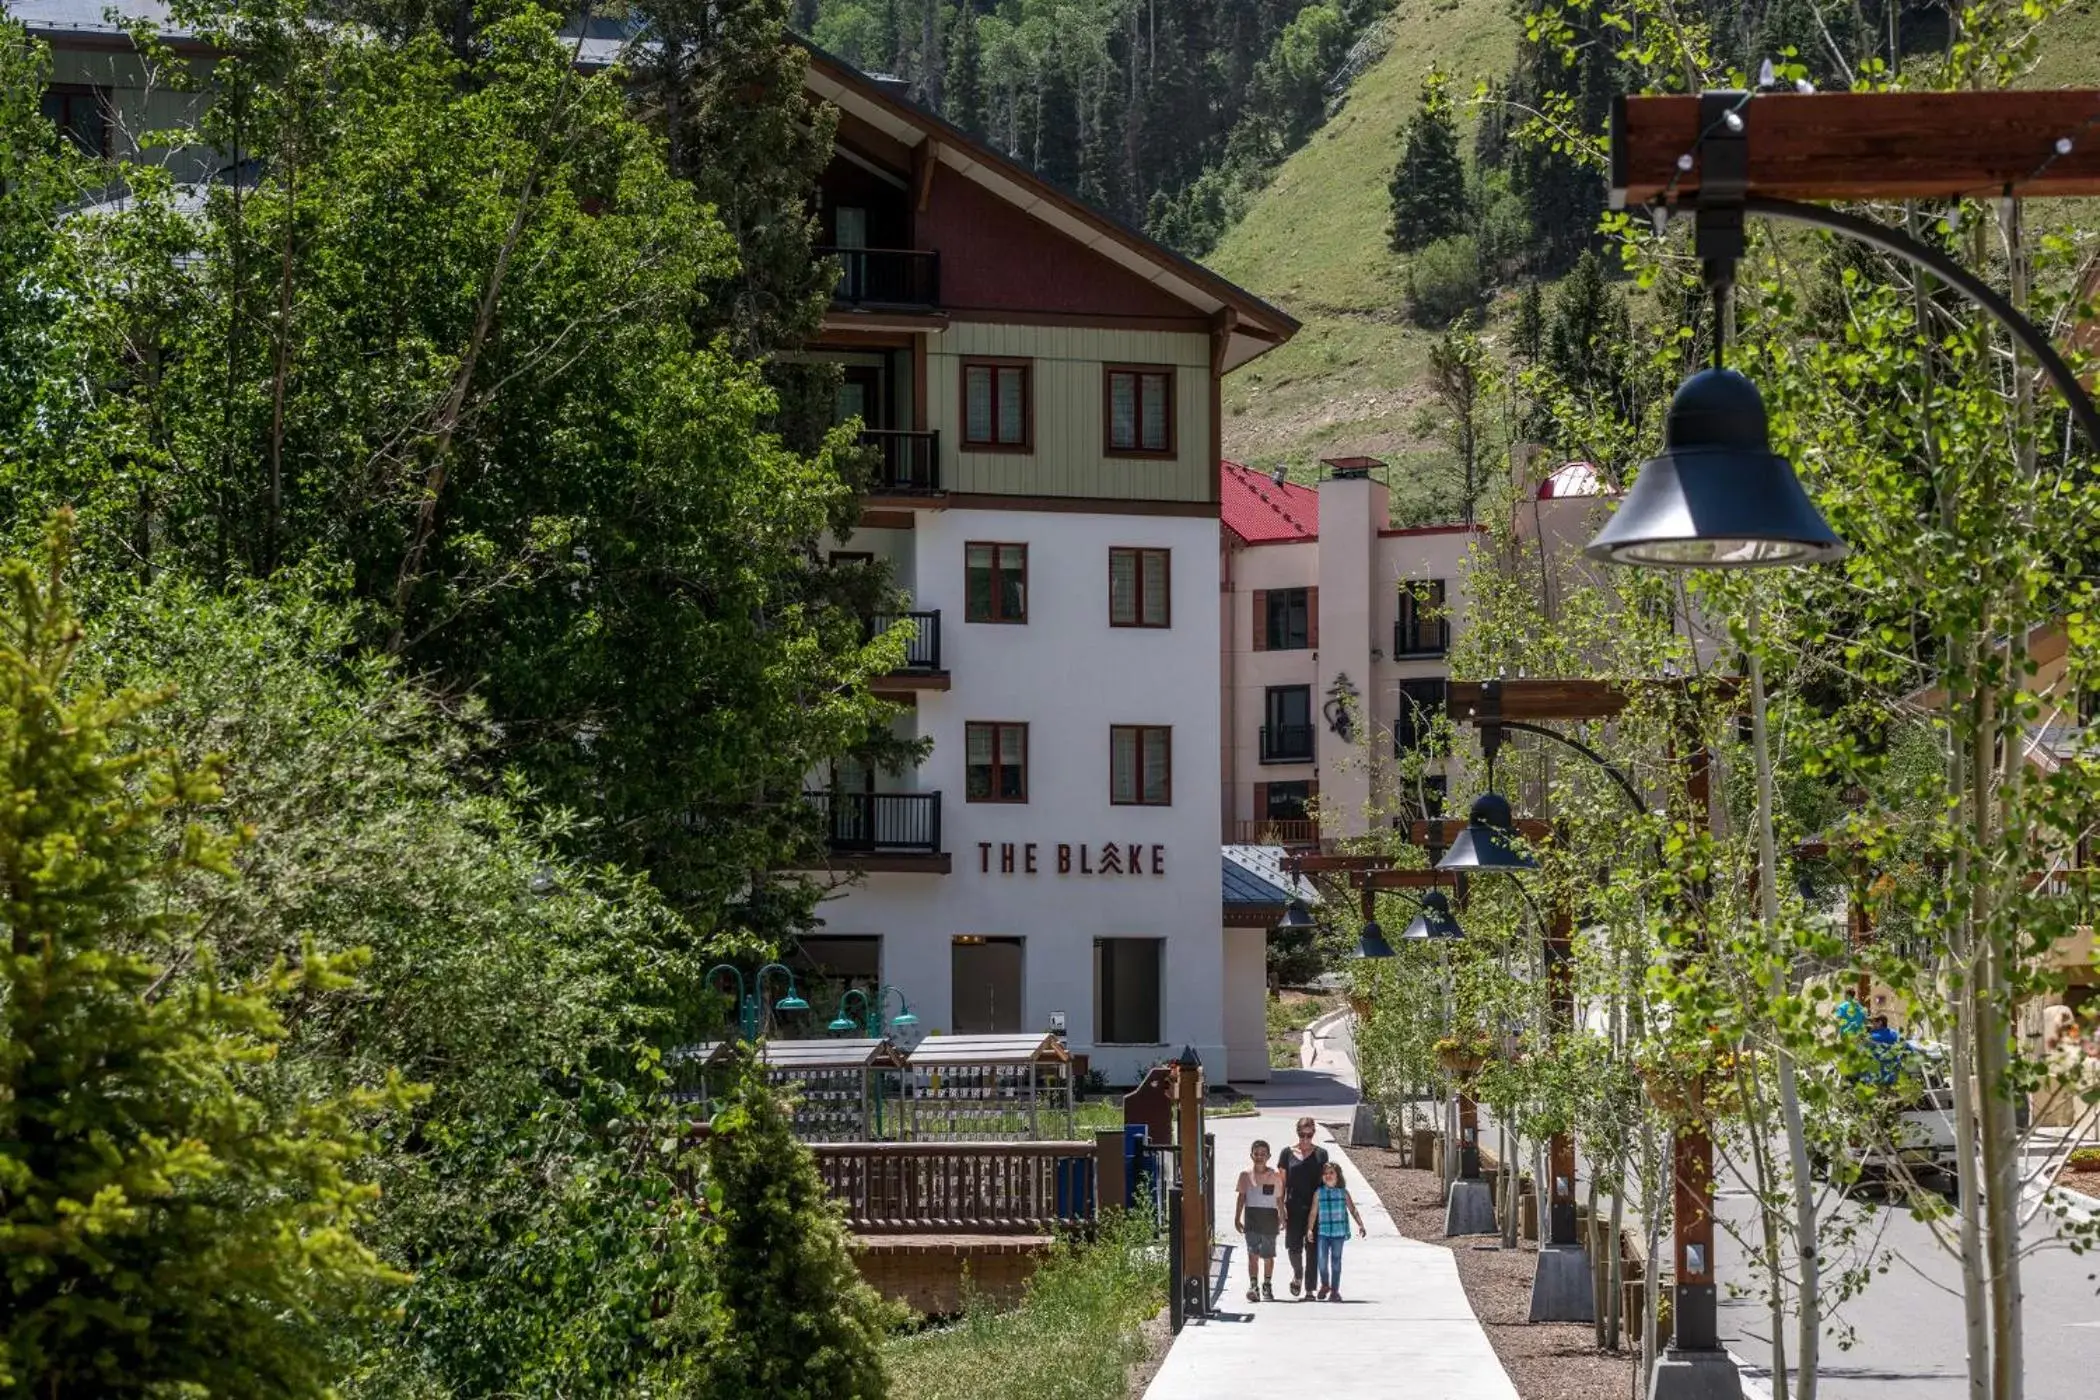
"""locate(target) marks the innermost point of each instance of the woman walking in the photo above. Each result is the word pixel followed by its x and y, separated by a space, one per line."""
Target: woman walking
pixel 1302 1164
pixel 1333 1209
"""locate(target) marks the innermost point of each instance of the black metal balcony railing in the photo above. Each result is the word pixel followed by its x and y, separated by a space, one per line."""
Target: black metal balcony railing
pixel 867 823
pixel 892 277
pixel 1286 743
pixel 923 651
pixel 906 464
pixel 1429 636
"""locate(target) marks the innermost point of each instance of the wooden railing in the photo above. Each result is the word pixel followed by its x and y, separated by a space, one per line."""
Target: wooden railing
pixel 1279 831
pixel 1023 1188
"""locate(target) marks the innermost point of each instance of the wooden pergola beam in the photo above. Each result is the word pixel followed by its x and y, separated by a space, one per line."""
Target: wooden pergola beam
pixel 1571 698
pixel 1404 880
pixel 1443 833
pixel 1826 147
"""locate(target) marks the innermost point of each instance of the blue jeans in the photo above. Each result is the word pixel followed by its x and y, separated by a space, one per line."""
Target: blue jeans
pixel 1327 1266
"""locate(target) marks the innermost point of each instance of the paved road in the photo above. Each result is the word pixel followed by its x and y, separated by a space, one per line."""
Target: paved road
pixel 1905 1328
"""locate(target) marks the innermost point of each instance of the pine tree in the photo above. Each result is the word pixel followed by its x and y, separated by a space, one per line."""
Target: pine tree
pixel 1529 338
pixel 723 83
pixel 963 98
pixel 889 39
pixel 1057 126
pixel 1428 188
pixel 798 1322
pixel 161 1228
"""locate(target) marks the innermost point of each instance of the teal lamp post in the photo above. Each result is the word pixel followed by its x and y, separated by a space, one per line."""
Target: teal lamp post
pixel 872 1021
pixel 749 1012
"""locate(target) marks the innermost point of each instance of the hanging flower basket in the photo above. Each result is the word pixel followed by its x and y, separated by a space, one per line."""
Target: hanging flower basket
pixel 1461 1058
pixel 1361 1005
pixel 1676 1094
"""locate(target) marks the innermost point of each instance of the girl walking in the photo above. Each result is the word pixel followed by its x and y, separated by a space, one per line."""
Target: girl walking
pixel 1333 1209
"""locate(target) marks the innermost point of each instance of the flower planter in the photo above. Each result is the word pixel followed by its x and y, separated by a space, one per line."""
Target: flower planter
pixel 1462 1063
pixel 1361 1005
pixel 1681 1097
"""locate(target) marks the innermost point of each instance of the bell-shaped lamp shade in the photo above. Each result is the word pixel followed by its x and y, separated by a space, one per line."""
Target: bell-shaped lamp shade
pixel 1486 845
pixel 1372 944
pixel 1435 921
pixel 907 1019
pixel 791 1002
pixel 1296 915
pixel 841 1023
pixel 1717 497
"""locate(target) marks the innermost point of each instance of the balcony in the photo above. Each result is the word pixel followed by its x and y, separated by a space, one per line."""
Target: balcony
pixel 906 463
pixel 897 831
pixel 1286 743
pixel 1417 638
pixel 1278 831
pixel 890 279
pixel 922 669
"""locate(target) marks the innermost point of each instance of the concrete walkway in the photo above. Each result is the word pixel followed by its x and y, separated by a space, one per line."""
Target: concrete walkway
pixel 1406 1327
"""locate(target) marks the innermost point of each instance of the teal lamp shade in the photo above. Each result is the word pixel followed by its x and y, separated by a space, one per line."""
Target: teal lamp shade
pixel 791 1002
pixel 907 1019
pixel 841 1024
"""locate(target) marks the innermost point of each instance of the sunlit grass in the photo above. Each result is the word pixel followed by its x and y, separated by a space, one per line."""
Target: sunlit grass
pixel 1074 1337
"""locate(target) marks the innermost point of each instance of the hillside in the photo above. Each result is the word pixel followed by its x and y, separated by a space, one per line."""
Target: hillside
pixel 1314 241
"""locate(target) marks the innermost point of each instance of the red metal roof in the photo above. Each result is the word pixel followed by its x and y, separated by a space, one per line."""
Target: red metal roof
pixel 1259 511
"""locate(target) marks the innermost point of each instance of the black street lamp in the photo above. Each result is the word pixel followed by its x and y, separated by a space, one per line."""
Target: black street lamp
pixel 1487 845
pixel 1434 922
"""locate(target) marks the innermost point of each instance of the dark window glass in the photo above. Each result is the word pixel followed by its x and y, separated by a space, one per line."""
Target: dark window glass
pixel 1290 619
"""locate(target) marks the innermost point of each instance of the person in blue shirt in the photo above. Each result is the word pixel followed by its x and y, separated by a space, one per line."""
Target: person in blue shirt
pixel 1333 1209
pixel 1886 1046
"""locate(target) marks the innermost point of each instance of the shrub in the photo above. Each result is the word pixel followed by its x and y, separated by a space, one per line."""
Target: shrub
pixel 2084 1159
pixel 165 1228
pixel 1444 281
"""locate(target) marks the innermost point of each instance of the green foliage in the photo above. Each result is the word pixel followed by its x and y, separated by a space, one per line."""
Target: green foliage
pixel 796 1320
pixel 1074 1336
pixel 167 1222
pixel 1428 187
pixel 1444 281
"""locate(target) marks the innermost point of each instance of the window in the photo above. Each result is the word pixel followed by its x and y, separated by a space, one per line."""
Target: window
pixel 985 985
pixel 1285 802
pixel 1127 990
pixel 1414 726
pixel 997 760
pixel 997 413
pixel 995 583
pixel 1140 411
pixel 1284 619
pixel 1140 765
pixel 1286 732
pixel 80 115
pixel 1421 629
pixel 1137 588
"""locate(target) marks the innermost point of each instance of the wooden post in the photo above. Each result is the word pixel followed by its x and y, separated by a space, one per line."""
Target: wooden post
pixel 1111 1183
pixel 1188 1136
pixel 1695 1314
pixel 1560 1151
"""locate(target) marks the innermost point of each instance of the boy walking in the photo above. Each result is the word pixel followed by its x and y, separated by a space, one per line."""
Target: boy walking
pixel 1256 1215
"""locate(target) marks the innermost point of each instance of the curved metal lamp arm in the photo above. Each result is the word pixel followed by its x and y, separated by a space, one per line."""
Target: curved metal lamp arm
pixel 1633 794
pixel 1895 241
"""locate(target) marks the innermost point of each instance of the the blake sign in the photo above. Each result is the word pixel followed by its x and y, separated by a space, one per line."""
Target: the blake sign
pixel 1033 858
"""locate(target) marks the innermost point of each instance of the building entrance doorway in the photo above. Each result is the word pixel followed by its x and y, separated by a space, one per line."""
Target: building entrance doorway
pixel 985 975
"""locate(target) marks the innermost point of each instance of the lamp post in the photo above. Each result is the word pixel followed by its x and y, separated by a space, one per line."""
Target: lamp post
pixel 750 1014
pixel 872 1007
pixel 1718 497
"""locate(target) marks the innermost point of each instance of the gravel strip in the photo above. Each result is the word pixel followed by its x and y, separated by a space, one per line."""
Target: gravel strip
pixel 1159 1335
pixel 1545 1360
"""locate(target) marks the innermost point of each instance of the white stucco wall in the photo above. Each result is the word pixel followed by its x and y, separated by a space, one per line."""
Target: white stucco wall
pixel 1069 676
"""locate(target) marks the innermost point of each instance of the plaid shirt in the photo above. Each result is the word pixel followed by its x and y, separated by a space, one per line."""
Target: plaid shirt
pixel 1332 1203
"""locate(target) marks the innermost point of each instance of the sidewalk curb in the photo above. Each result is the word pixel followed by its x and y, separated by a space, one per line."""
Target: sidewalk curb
pixel 1308 1042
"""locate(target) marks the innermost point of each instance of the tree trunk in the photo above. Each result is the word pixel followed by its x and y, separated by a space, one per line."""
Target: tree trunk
pixel 1810 1317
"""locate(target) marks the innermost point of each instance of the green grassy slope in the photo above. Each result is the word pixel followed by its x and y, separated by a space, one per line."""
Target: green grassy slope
pixel 1315 243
